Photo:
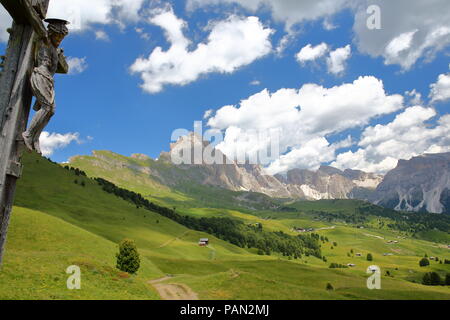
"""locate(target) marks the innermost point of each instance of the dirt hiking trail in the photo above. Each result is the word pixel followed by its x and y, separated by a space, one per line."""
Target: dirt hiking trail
pixel 173 291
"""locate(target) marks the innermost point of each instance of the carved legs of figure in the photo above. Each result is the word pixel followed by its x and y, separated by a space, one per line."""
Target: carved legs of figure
pixel 38 123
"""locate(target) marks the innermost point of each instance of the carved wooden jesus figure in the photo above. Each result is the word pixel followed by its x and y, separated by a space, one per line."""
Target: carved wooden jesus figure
pixel 49 60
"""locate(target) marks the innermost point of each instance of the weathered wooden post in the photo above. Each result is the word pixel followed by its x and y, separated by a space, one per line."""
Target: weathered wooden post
pixel 16 96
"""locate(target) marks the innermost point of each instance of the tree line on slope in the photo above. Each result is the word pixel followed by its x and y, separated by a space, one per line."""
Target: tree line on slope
pixel 408 221
pixel 230 230
pixel 411 222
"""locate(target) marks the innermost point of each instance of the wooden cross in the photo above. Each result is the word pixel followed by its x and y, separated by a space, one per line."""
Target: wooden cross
pixel 16 97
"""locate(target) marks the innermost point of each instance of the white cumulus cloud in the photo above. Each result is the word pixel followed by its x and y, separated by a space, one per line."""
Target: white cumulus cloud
pixel 328 25
pixel 310 113
pixel 287 11
pixel 411 30
pixel 231 44
pixel 208 113
pixel 337 61
pixel 144 35
pixel 311 53
pixel 50 142
pixel 310 155
pixel 398 45
pixel 77 65
pixel 440 91
pixel 408 135
pixel 82 14
pixel 415 97
pixel 101 35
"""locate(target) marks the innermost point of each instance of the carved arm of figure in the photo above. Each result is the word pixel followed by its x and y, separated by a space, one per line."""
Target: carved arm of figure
pixel 63 66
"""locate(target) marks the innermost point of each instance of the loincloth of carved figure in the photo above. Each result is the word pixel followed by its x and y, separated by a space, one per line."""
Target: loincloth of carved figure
pixel 43 86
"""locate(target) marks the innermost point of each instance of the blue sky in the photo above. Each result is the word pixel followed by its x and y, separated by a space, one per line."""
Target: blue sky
pixel 104 104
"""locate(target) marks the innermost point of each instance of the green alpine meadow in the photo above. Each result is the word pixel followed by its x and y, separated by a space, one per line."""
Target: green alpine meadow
pixel 64 216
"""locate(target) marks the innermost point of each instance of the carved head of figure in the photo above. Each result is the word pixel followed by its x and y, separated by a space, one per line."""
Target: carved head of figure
pixel 57 31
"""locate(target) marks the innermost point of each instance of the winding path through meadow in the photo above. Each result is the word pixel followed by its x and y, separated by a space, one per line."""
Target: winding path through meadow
pixel 173 291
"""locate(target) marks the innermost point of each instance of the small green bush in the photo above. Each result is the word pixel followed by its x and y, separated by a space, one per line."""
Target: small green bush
pixel 424 262
pixel 128 257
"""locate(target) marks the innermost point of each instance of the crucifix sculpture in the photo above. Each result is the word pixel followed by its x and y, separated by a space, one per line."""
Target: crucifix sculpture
pixel 31 60
pixel 42 84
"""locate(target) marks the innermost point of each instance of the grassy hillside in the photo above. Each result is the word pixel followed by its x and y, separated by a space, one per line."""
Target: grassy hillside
pixel 61 223
pixel 40 248
pixel 57 222
pixel 49 188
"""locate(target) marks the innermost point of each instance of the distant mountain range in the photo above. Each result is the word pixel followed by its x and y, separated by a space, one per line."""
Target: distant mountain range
pixel 419 184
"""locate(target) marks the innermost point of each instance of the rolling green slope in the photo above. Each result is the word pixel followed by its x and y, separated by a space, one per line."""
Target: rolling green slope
pixel 57 222
pixel 49 188
pixel 40 247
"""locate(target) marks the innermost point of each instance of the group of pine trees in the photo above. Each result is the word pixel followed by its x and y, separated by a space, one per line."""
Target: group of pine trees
pixel 434 279
pixel 424 262
pixel 76 171
pixel 334 265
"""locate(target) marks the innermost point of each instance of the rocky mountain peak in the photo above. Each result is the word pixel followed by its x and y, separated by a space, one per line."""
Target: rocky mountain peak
pixel 419 184
pixel 330 170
